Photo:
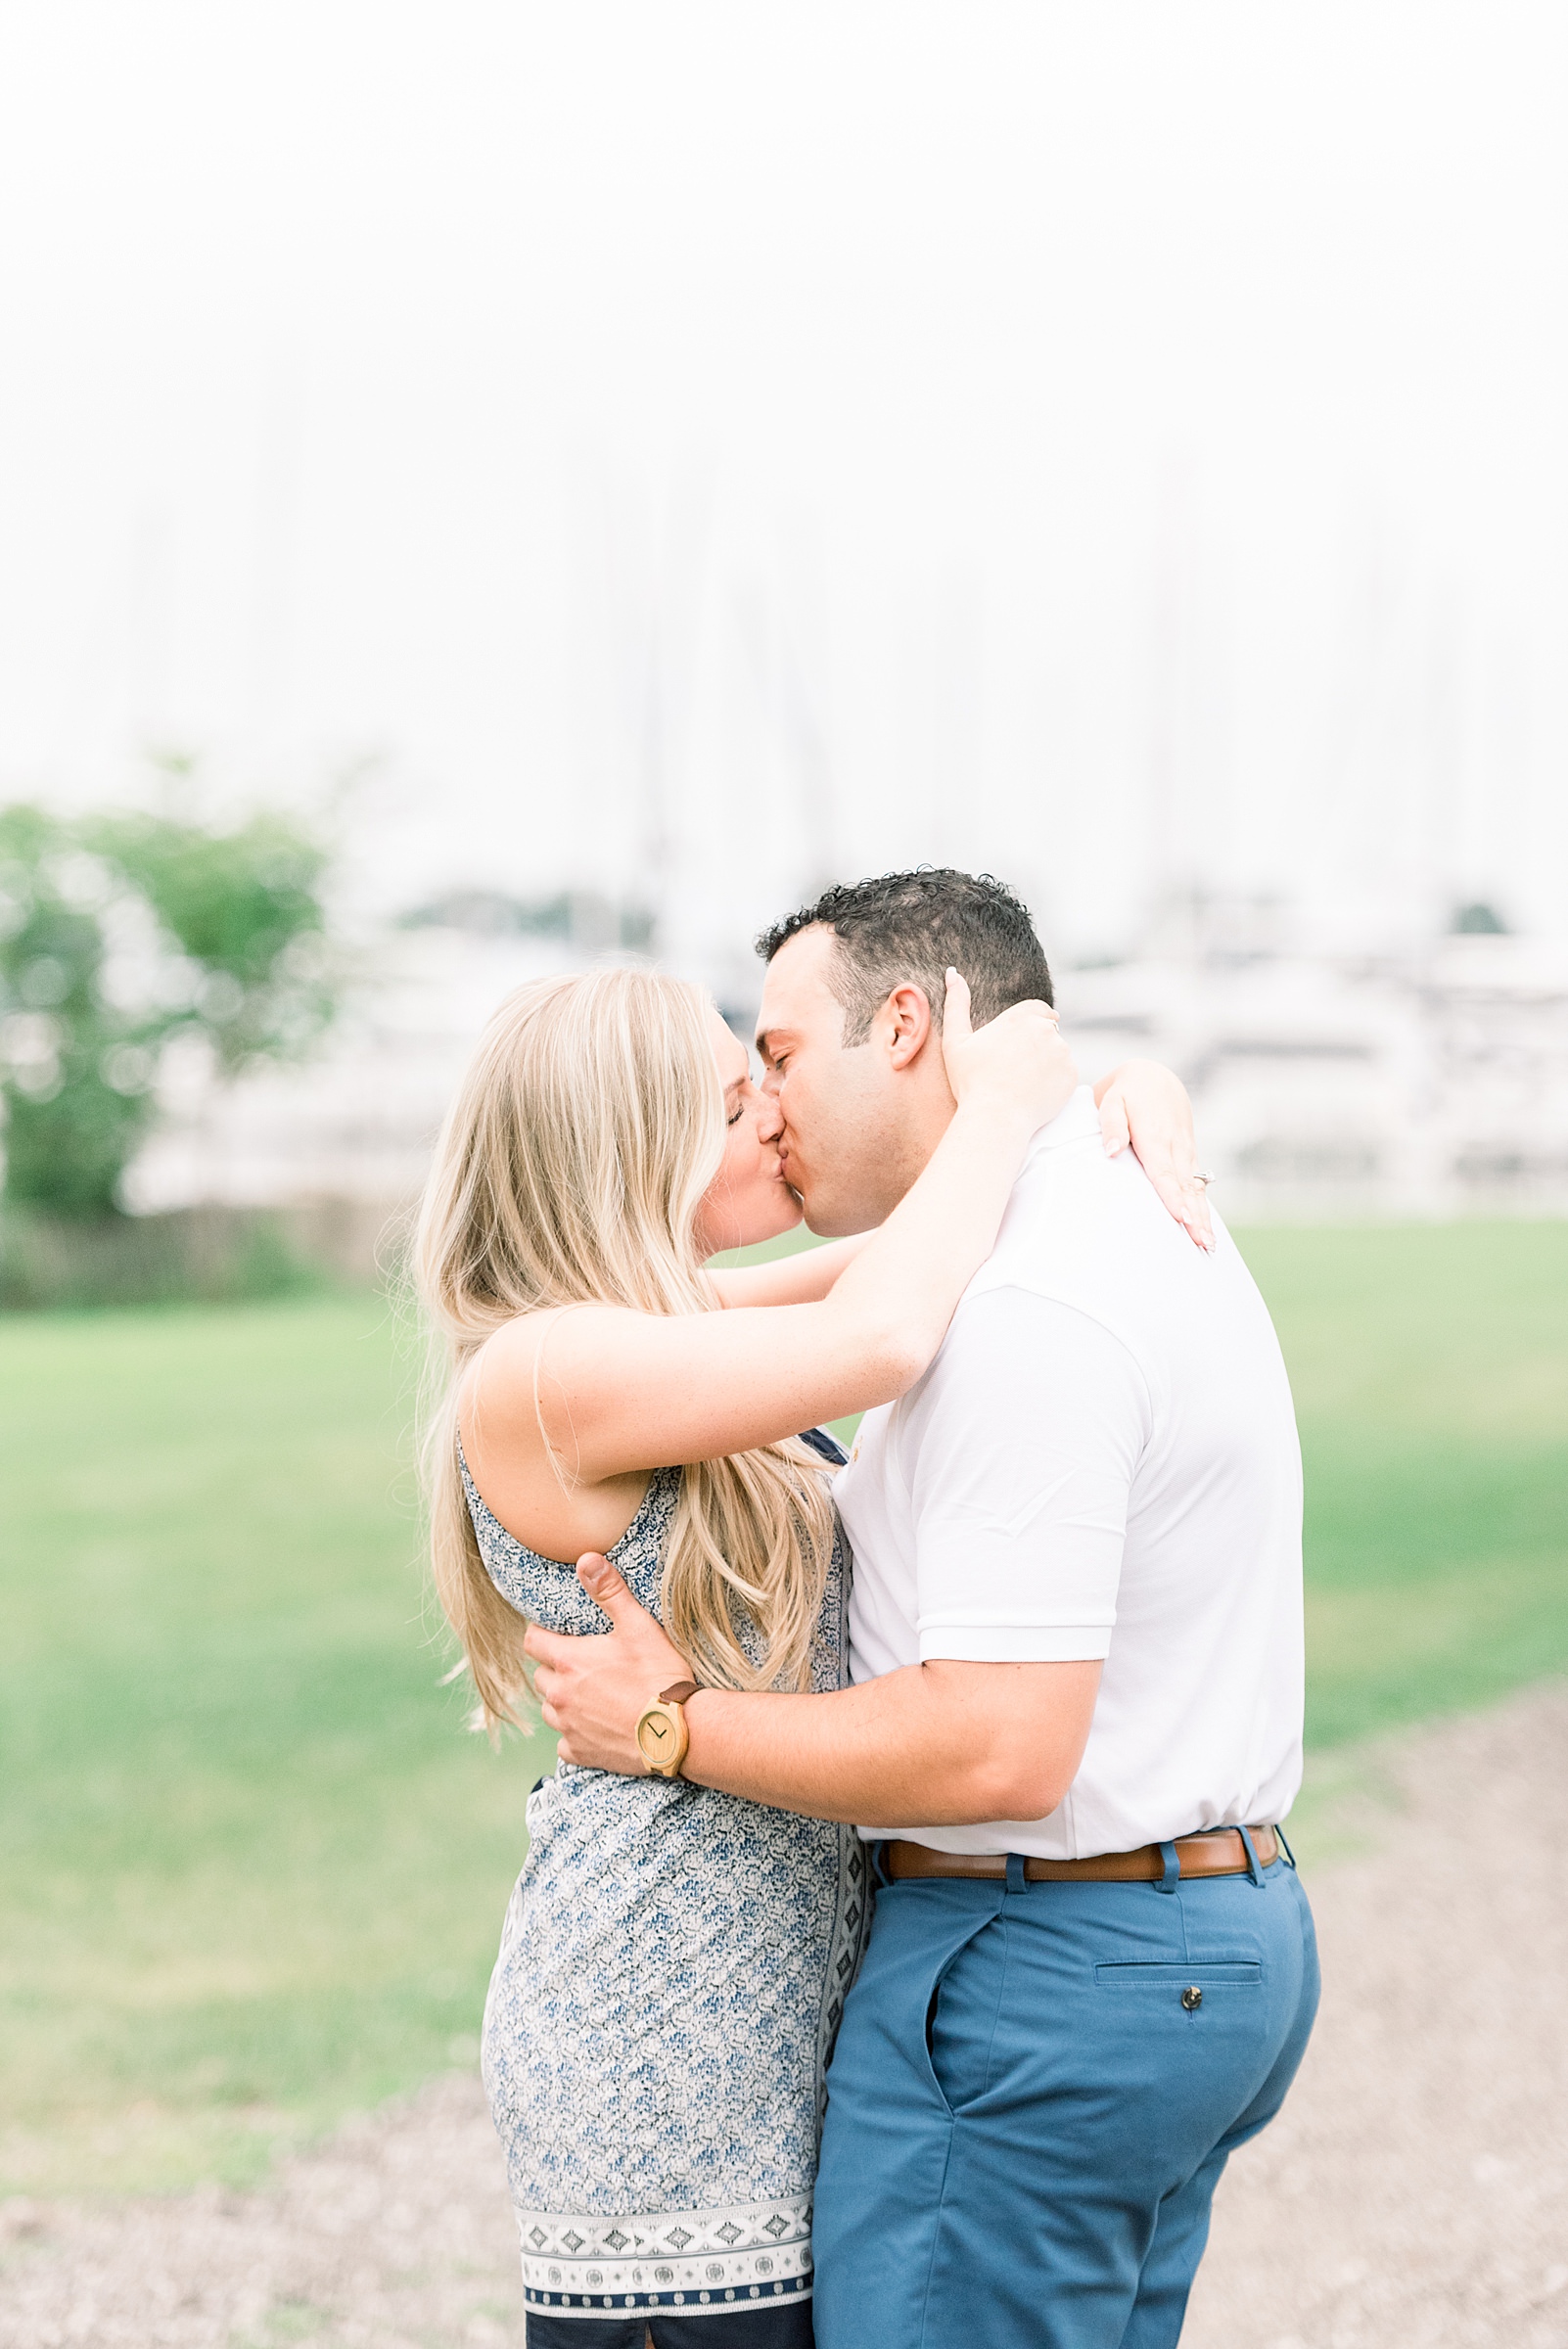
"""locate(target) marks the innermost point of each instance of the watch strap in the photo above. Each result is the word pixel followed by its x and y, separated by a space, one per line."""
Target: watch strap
pixel 678 1692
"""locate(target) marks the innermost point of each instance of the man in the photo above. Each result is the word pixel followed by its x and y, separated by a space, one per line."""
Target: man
pixel 1075 1639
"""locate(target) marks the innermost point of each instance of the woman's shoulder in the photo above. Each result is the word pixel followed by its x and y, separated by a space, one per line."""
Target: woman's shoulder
pixel 537 1362
pixel 646 1526
pixel 520 1463
pixel 543 1584
pixel 556 1521
pixel 514 1346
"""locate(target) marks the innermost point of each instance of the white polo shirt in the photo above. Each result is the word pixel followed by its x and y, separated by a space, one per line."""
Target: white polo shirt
pixel 1100 1463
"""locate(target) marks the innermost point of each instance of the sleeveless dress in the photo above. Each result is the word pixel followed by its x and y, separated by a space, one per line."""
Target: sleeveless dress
pixel 672 1969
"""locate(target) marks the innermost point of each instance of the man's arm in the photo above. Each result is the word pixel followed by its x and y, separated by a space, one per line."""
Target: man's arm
pixel 1020 1453
pixel 938 1744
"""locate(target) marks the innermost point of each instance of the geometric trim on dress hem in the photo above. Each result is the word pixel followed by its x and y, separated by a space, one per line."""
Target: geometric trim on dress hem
pixel 738 2300
pixel 702 2262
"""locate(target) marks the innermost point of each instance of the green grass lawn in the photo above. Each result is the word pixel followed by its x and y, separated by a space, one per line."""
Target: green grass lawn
pixel 252 1868
pixel 1430 1370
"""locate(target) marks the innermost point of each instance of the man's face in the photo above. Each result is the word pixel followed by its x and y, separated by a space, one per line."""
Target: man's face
pixel 844 1109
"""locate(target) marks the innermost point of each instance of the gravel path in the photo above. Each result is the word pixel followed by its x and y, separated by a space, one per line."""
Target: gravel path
pixel 1413 2192
pixel 1412 2195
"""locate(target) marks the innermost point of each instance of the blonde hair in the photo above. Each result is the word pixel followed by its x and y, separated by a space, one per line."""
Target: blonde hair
pixel 569 1170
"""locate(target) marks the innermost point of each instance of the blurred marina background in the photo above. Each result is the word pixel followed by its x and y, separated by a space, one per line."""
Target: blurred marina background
pixel 629 471
pixel 1429 1081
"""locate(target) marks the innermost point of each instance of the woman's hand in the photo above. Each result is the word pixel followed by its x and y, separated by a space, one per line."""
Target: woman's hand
pixel 596 1689
pixel 1017 1060
pixel 1147 1106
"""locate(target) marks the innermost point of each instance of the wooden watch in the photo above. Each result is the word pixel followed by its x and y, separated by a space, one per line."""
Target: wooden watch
pixel 662 1738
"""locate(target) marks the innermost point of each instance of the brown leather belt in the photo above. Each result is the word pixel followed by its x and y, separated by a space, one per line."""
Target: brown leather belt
pixel 1219 1852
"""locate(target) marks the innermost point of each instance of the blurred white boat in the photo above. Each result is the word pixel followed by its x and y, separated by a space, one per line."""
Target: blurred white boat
pixel 1427 1081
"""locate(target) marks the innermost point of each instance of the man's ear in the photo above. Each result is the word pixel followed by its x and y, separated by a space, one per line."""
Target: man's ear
pixel 906 1022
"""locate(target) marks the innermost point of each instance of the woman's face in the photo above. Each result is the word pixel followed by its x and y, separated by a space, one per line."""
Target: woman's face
pixel 748 1199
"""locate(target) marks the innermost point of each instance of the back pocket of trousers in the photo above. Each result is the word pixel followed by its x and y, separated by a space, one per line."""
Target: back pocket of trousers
pixel 1198 1973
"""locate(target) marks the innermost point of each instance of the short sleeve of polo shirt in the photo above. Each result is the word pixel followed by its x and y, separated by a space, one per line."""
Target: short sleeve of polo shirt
pixel 1019 1454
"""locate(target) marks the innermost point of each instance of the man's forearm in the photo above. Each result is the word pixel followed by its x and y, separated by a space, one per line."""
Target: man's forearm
pixel 939 1744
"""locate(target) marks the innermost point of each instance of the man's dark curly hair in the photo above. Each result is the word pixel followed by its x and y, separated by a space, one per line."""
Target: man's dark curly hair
pixel 903 929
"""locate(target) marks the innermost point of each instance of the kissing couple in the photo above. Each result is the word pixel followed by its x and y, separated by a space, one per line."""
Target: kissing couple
pixel 904 1938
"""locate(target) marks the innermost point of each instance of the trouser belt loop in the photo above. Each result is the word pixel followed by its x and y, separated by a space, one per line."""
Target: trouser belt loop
pixel 1173 1869
pixel 1253 1868
pixel 1016 1879
pixel 879 1862
pixel 1290 1857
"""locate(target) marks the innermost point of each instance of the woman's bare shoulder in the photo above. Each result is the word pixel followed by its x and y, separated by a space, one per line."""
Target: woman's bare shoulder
pixel 540 1350
pixel 514 1420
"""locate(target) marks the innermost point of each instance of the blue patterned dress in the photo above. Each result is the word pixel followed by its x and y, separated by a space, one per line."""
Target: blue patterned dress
pixel 672 1969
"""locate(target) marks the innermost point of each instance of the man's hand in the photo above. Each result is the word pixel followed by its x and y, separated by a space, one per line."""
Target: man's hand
pixel 594 1690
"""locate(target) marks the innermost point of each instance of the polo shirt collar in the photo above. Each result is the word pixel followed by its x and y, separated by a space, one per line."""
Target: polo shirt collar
pixel 1073 1124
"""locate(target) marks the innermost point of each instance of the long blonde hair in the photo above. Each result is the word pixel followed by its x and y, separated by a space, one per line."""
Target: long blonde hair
pixel 569 1170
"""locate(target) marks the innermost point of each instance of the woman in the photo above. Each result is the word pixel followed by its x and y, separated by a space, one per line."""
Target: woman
pixel 674 1960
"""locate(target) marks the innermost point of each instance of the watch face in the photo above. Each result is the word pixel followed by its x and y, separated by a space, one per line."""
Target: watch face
pixel 656 1736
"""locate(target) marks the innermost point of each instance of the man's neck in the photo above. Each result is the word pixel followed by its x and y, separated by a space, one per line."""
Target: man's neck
pixel 910 1147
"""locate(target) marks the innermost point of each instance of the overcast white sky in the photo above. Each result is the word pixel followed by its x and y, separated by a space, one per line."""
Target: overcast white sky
pixel 1118 445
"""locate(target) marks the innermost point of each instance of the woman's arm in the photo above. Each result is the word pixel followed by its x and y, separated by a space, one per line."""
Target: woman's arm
pixel 799 1280
pixel 1147 1105
pixel 621 1391
pixel 1142 1105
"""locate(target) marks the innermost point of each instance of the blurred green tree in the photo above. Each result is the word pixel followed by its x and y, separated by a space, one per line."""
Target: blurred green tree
pixel 119 933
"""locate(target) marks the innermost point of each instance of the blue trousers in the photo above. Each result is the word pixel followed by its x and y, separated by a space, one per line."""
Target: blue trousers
pixel 1029 2105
